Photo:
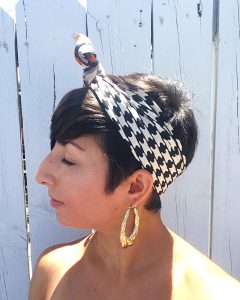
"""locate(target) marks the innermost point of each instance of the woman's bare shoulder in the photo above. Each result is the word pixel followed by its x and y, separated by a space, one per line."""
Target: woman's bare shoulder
pixel 52 264
pixel 201 278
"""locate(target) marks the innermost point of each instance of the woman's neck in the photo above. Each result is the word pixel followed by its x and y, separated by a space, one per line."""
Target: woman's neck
pixel 153 245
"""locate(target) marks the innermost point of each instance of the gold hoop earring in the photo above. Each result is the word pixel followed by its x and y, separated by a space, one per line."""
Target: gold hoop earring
pixel 128 240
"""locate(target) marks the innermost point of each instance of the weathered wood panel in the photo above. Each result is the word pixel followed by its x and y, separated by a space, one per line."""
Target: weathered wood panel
pixel 226 209
pixel 182 51
pixel 9 7
pixel 13 238
pixel 121 33
pixel 46 31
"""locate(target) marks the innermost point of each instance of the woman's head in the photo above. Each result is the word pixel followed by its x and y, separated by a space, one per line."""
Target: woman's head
pixel 79 114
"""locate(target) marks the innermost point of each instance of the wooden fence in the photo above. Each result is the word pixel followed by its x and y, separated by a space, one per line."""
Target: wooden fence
pixel 195 42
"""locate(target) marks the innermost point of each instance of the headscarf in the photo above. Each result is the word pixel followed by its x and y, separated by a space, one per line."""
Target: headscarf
pixel 139 120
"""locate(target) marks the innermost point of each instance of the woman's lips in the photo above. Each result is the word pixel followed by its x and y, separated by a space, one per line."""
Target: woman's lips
pixel 55 203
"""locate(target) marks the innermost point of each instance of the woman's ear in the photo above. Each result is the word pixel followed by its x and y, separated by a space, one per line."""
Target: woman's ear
pixel 141 184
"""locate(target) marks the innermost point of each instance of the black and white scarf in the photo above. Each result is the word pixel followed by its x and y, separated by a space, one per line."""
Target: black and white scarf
pixel 139 119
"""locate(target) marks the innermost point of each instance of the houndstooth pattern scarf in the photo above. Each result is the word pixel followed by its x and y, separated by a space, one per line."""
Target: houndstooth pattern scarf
pixel 139 119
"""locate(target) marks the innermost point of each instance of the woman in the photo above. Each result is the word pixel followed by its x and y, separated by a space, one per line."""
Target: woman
pixel 117 144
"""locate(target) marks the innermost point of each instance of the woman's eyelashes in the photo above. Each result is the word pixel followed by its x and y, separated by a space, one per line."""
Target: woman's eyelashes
pixel 67 162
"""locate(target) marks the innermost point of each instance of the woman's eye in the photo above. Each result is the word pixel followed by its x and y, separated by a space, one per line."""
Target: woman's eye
pixel 67 162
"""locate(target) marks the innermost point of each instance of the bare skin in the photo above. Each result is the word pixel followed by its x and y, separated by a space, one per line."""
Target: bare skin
pixel 74 271
pixel 159 265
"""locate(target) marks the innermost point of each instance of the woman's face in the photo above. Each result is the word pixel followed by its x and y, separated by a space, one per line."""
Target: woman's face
pixel 75 175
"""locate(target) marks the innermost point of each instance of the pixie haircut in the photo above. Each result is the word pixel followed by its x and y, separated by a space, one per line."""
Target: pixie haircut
pixel 79 113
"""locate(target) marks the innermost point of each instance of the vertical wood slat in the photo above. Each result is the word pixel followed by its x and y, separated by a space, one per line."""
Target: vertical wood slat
pixel 182 51
pixel 46 31
pixel 226 208
pixel 121 34
pixel 13 237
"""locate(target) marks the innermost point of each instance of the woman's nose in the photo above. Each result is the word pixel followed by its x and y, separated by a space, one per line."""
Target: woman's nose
pixel 44 173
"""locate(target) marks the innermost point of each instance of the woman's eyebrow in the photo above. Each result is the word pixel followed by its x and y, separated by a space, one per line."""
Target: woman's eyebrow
pixel 76 145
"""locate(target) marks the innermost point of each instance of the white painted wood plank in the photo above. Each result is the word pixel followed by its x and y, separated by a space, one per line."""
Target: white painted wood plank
pixel 182 51
pixel 9 6
pixel 226 237
pixel 121 34
pixel 13 239
pixel 46 31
